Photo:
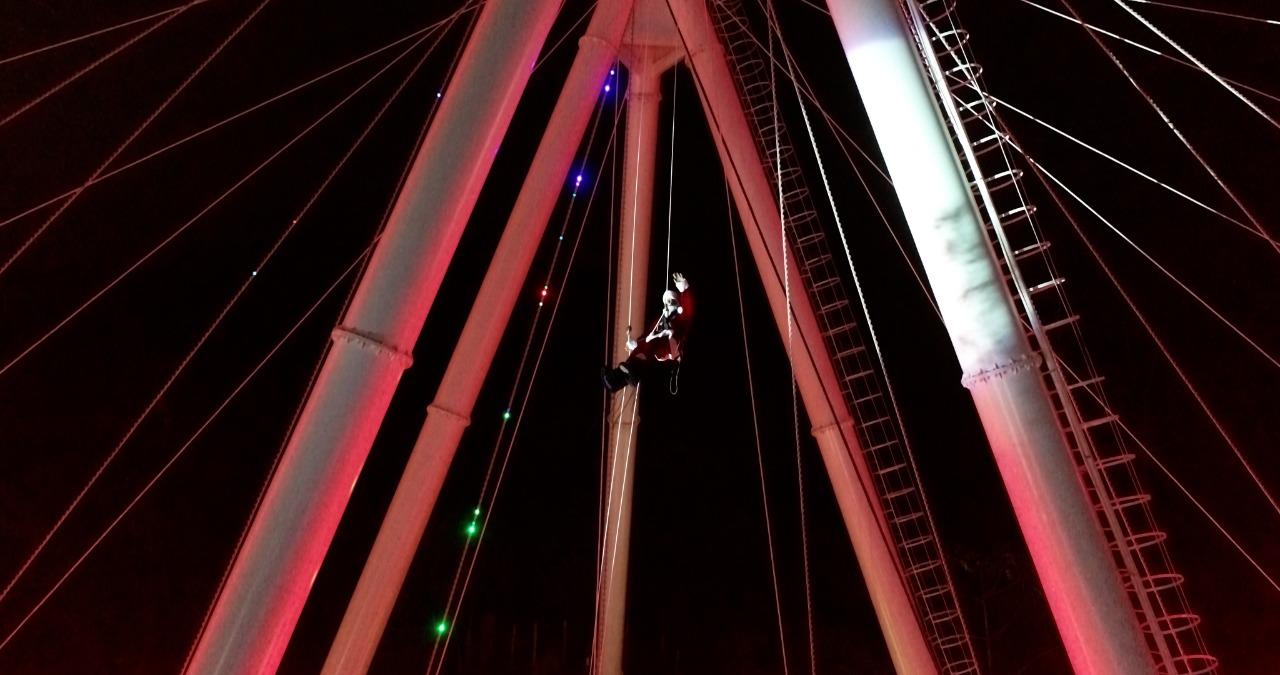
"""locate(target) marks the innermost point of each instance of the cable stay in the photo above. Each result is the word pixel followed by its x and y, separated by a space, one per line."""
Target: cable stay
pixel 226 309
pixel 1214 12
pixel 431 28
pixel 1199 64
pixel 200 214
pixel 67 81
pixel 1176 132
pixel 1002 102
pixel 1164 270
pixel 31 239
pixel 102 31
pixel 208 421
pixel 1146 48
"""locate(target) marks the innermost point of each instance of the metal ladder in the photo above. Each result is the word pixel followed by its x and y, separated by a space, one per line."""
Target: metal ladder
pixel 895 482
pixel 1092 429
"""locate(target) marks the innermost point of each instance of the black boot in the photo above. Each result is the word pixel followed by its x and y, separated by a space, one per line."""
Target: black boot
pixel 613 378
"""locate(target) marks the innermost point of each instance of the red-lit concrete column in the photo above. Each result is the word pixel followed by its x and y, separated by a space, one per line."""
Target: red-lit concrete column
pixel 815 376
pixel 269 582
pixel 448 415
pixel 643 98
pixel 1099 629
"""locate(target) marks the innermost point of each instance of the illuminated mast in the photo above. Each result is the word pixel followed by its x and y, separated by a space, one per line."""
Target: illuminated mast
pixel 1001 371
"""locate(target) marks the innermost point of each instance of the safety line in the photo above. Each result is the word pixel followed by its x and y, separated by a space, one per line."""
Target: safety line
pixel 605 497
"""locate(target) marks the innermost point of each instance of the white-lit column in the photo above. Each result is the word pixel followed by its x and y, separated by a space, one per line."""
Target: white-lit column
pixel 1002 373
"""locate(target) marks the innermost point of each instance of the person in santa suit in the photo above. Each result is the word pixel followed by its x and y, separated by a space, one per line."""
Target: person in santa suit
pixel 661 350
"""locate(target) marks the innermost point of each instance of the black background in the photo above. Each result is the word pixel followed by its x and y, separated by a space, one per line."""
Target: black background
pixel 699 598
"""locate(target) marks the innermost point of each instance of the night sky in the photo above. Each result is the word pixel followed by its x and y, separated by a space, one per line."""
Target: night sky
pixel 699 597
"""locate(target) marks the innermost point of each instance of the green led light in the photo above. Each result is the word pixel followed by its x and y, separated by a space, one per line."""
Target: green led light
pixel 506 415
pixel 471 529
pixel 442 627
pixel 477 511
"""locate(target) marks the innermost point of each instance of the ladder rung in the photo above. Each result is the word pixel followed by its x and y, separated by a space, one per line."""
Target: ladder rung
pixel 1172 623
pixel 816 261
pixel 922 567
pixel 868 397
pixel 1085 383
pixel 839 304
pixel 878 447
pixel 890 469
pixel 1039 288
pixel 850 352
pixel 1114 460
pixel 1061 322
pixel 1140 540
pixel 916 541
pixel 1099 422
pixel 1028 251
pixel 860 374
pixel 899 520
pixel 1156 582
pixel 842 328
pixel 943 616
pixel 1129 500
pixel 901 492
pixel 825 284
